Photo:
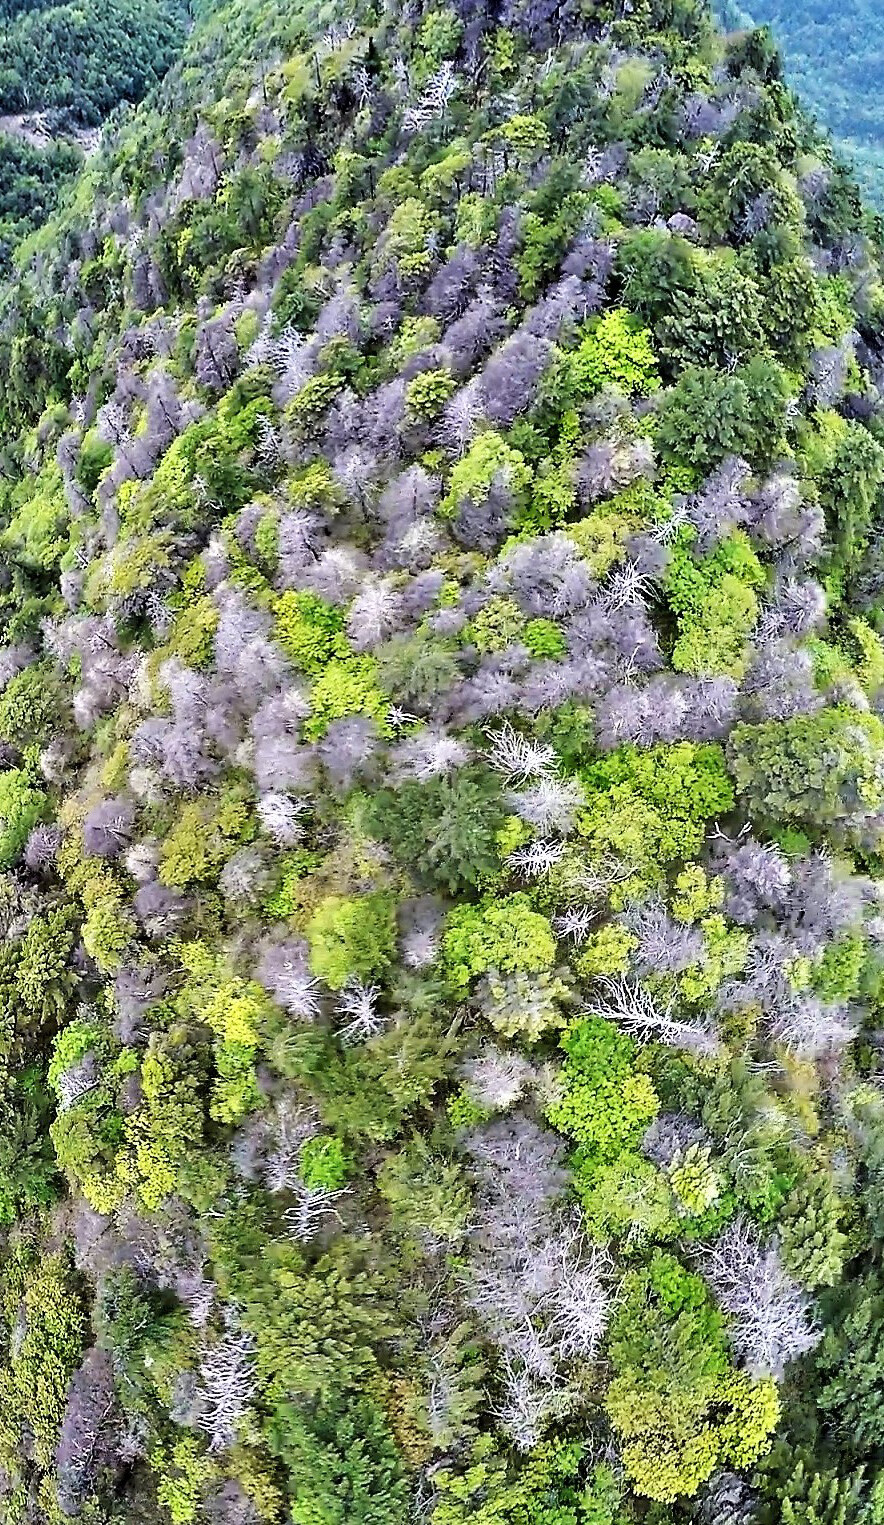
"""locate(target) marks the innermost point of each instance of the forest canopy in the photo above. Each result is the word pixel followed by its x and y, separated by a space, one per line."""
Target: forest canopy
pixel 85 60
pixel 442 786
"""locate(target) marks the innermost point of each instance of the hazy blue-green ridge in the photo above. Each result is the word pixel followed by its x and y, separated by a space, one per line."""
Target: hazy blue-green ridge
pixel 834 57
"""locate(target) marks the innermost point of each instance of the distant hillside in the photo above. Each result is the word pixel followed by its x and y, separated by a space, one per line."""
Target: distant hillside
pixel 63 69
pixel 834 57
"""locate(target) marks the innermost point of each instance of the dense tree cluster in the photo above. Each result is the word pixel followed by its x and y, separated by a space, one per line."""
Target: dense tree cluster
pixel 442 788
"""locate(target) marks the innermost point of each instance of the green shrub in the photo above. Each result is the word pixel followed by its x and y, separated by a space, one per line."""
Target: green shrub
pixel 677 1406
pixel 21 808
pixel 650 806
pixel 617 352
pixel 44 1294
pixel 310 631
pixel 344 1462
pixel 489 458
pixel 710 414
pixel 822 770
pixel 605 1105
pixel 345 687
pixel 324 1162
pixel 715 600
pixel 428 392
pixel 30 705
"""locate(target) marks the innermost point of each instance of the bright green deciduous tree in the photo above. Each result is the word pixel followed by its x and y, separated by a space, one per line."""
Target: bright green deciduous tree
pixel 351 937
pixel 506 935
pixel 679 1408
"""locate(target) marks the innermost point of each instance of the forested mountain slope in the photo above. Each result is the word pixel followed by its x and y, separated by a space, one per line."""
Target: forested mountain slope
pixel 442 789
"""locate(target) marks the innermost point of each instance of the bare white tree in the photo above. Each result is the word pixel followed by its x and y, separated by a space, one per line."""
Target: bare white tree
pixel 358 1006
pixel 579 1303
pixel 362 85
pixel 434 98
pixel 284 971
pixel 575 922
pixel 462 417
pixel 374 614
pixel 527 1405
pixel 495 1080
pixel 807 1027
pixel 268 452
pixel 314 1204
pixel 519 757
pixel 75 1083
pixel 551 804
pixel 282 816
pixel 399 719
pixel 626 586
pixel 542 1294
pixel 292 361
pixel 429 753
pixel 262 349
pixel 635 1010
pixel 113 424
pixel 597 881
pixel 667 529
pixel 293 1124
pixel 535 859
pixel 420 948
pixel 197 1292
pixel 772 1318
pixel 226 1387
